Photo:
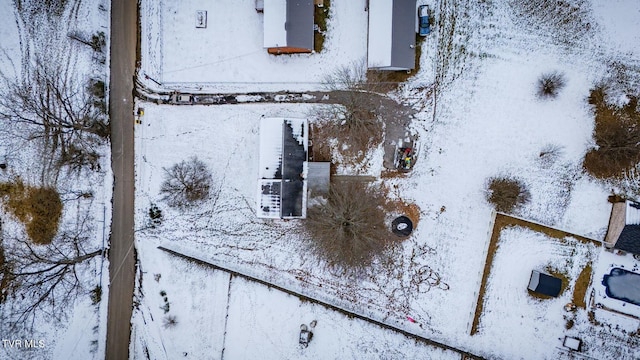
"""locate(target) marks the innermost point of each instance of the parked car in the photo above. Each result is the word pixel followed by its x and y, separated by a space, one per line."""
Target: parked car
pixel 423 20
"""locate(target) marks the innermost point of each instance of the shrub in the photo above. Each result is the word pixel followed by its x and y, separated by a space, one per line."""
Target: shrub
pixel 550 84
pixel 349 230
pixel 506 193
pixel 550 153
pixel 166 307
pixel 96 294
pixel 169 321
pixel 155 215
pixel 616 134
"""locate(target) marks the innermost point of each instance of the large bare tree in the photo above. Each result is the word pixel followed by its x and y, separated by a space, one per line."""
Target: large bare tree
pixel 355 118
pixel 186 183
pixel 349 230
pixel 44 280
pixel 53 106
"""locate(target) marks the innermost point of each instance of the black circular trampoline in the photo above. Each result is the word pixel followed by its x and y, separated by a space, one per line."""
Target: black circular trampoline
pixel 402 226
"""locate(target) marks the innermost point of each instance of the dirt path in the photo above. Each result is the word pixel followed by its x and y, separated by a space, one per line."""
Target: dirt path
pixel 121 249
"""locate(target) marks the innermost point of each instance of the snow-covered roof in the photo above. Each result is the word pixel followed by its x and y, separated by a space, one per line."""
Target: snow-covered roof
pixel 275 18
pixel 392 34
pixel 380 24
pixel 271 148
pixel 632 216
pixel 288 23
pixel 282 187
pixel 318 175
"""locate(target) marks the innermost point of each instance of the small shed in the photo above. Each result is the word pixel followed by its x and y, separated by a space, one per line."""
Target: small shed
pixel 545 284
pixel 572 343
pixel 623 232
pixel 392 35
pixel 288 26
pixel 318 177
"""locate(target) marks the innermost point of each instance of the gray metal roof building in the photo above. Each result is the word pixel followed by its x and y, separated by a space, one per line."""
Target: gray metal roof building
pixel 282 186
pixel 392 34
pixel 288 25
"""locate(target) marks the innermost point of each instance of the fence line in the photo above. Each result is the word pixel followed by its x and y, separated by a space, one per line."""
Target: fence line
pixel 348 313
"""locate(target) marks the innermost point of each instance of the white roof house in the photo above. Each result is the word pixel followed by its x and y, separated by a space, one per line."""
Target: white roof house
pixel 288 26
pixel 392 35
pixel 282 183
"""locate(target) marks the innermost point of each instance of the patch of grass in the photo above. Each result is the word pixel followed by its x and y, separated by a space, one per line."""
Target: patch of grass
pixel 582 285
pixel 321 16
pixel 39 209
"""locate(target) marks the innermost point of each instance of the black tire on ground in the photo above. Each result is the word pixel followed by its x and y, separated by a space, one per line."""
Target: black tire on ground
pixel 402 226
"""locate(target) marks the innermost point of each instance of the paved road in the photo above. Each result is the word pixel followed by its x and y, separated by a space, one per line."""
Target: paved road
pixel 121 251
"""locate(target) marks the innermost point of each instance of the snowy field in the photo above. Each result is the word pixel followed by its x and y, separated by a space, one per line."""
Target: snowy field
pixel 239 319
pixel 487 121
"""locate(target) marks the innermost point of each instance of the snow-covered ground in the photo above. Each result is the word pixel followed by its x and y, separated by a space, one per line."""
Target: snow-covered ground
pixel 228 54
pixel 488 121
pixel 80 334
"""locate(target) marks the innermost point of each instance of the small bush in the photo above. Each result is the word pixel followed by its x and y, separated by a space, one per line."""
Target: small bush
pixel 169 321
pixel 166 307
pixel 96 294
pixel 550 153
pixel 569 325
pixel 98 41
pixel 506 193
pixel 155 215
pixel 550 84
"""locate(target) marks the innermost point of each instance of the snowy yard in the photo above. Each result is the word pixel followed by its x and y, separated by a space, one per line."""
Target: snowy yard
pixel 243 320
pixel 487 122
pixel 228 54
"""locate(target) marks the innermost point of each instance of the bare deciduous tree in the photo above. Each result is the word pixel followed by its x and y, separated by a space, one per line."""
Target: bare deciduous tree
pixel 186 183
pixel 348 231
pixel 55 109
pixel 44 280
pixel 356 116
